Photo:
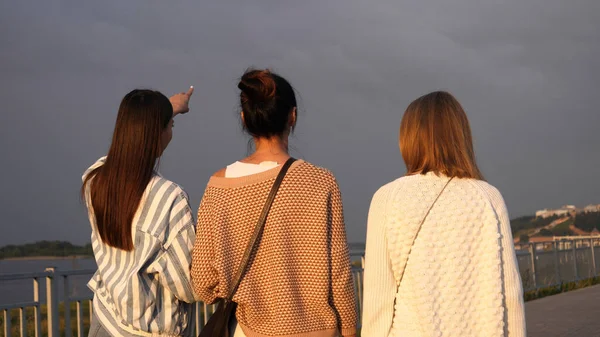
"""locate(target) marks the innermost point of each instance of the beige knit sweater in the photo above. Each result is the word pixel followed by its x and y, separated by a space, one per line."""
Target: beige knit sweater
pixel 459 278
pixel 299 281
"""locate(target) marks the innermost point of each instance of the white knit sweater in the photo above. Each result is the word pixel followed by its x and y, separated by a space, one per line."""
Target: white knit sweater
pixel 461 278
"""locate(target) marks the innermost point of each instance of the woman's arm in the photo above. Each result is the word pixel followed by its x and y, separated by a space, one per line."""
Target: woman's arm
pixel 173 263
pixel 513 288
pixel 343 293
pixel 205 279
pixel 379 283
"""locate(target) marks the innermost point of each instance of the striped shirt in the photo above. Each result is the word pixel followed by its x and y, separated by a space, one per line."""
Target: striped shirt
pixel 147 291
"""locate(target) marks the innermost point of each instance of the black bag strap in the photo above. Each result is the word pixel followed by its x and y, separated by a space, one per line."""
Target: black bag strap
pixel 259 226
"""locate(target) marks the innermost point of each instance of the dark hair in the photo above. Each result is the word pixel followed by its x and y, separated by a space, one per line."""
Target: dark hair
pixel 435 136
pixel 267 100
pixel 119 184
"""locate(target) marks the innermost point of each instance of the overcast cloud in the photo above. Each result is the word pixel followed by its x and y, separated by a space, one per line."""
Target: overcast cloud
pixel 526 72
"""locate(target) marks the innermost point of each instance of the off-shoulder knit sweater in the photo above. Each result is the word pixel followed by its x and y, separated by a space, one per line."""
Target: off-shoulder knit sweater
pixel 299 281
pixel 461 276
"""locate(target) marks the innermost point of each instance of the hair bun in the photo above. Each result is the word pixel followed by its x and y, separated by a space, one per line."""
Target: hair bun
pixel 258 86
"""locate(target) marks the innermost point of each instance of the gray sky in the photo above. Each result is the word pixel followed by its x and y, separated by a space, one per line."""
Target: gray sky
pixel 526 72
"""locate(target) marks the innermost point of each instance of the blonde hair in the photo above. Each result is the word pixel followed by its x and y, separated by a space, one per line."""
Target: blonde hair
pixel 435 136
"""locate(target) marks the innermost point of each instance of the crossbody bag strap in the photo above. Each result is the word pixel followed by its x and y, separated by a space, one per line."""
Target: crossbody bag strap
pixel 419 229
pixel 259 226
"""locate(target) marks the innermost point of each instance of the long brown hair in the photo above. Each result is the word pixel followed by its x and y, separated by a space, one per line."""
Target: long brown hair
pixel 435 136
pixel 117 186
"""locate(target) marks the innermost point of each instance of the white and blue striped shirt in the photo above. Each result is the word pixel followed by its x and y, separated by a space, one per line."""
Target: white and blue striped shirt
pixel 147 291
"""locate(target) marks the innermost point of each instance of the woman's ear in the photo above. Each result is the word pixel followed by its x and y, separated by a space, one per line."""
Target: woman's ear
pixel 242 117
pixel 292 121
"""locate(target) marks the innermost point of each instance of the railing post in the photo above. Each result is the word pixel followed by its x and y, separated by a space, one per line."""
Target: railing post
pixel 533 264
pixel 7 323
pixel 37 321
pixel 23 321
pixel 574 249
pixel 556 262
pixel 91 310
pixel 359 290
pixel 197 316
pixel 79 319
pixel 67 304
pixel 52 302
pixel 205 310
pixel 593 257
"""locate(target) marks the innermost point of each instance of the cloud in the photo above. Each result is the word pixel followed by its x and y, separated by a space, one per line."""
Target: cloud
pixel 526 72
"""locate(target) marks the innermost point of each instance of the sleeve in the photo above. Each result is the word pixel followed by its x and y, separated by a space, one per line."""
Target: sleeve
pixel 379 282
pixel 173 264
pixel 205 278
pixel 343 293
pixel 515 325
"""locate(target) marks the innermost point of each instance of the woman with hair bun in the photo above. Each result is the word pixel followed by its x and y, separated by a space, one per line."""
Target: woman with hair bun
pixel 297 281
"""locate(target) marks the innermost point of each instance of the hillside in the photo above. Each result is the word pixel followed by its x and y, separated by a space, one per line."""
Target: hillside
pixel 528 224
pixel 581 224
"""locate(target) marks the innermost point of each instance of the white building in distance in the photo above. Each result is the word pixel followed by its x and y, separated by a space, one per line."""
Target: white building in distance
pixel 563 211
pixel 591 208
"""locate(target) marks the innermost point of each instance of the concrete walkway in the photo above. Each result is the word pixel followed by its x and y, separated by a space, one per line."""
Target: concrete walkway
pixel 575 313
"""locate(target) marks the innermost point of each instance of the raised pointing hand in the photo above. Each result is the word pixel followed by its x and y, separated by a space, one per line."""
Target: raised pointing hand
pixel 181 101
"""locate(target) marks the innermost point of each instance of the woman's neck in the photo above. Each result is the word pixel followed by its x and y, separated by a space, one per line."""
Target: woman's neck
pixel 269 149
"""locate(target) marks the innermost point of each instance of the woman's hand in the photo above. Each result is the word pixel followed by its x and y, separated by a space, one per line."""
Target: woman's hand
pixel 180 102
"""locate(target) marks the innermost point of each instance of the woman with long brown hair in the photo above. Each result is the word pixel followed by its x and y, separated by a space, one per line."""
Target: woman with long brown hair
pixel 142 226
pixel 297 280
pixel 440 259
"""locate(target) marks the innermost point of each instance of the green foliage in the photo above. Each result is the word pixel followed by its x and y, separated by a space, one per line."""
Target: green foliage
pixel 588 221
pixel 530 222
pixel 545 232
pixel 45 248
pixel 561 288
pixel 524 238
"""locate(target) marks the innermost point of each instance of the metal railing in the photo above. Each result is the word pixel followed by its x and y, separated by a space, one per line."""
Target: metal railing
pixel 541 265
pixel 55 321
pixel 51 276
pixel 563 260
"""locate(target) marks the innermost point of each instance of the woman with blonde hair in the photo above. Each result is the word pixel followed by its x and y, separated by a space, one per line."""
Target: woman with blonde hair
pixel 440 259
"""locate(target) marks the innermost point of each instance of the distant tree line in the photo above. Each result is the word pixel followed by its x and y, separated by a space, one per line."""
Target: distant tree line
pixel 45 248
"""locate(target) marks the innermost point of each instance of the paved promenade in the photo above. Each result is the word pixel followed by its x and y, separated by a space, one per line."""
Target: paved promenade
pixel 575 313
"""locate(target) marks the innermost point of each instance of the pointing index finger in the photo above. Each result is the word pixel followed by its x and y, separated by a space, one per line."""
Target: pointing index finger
pixel 190 91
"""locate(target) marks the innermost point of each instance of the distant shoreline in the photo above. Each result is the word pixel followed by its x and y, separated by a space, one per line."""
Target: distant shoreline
pixel 29 258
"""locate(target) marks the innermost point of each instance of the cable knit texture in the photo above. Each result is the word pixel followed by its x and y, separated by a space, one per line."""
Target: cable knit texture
pixel 299 281
pixel 460 276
